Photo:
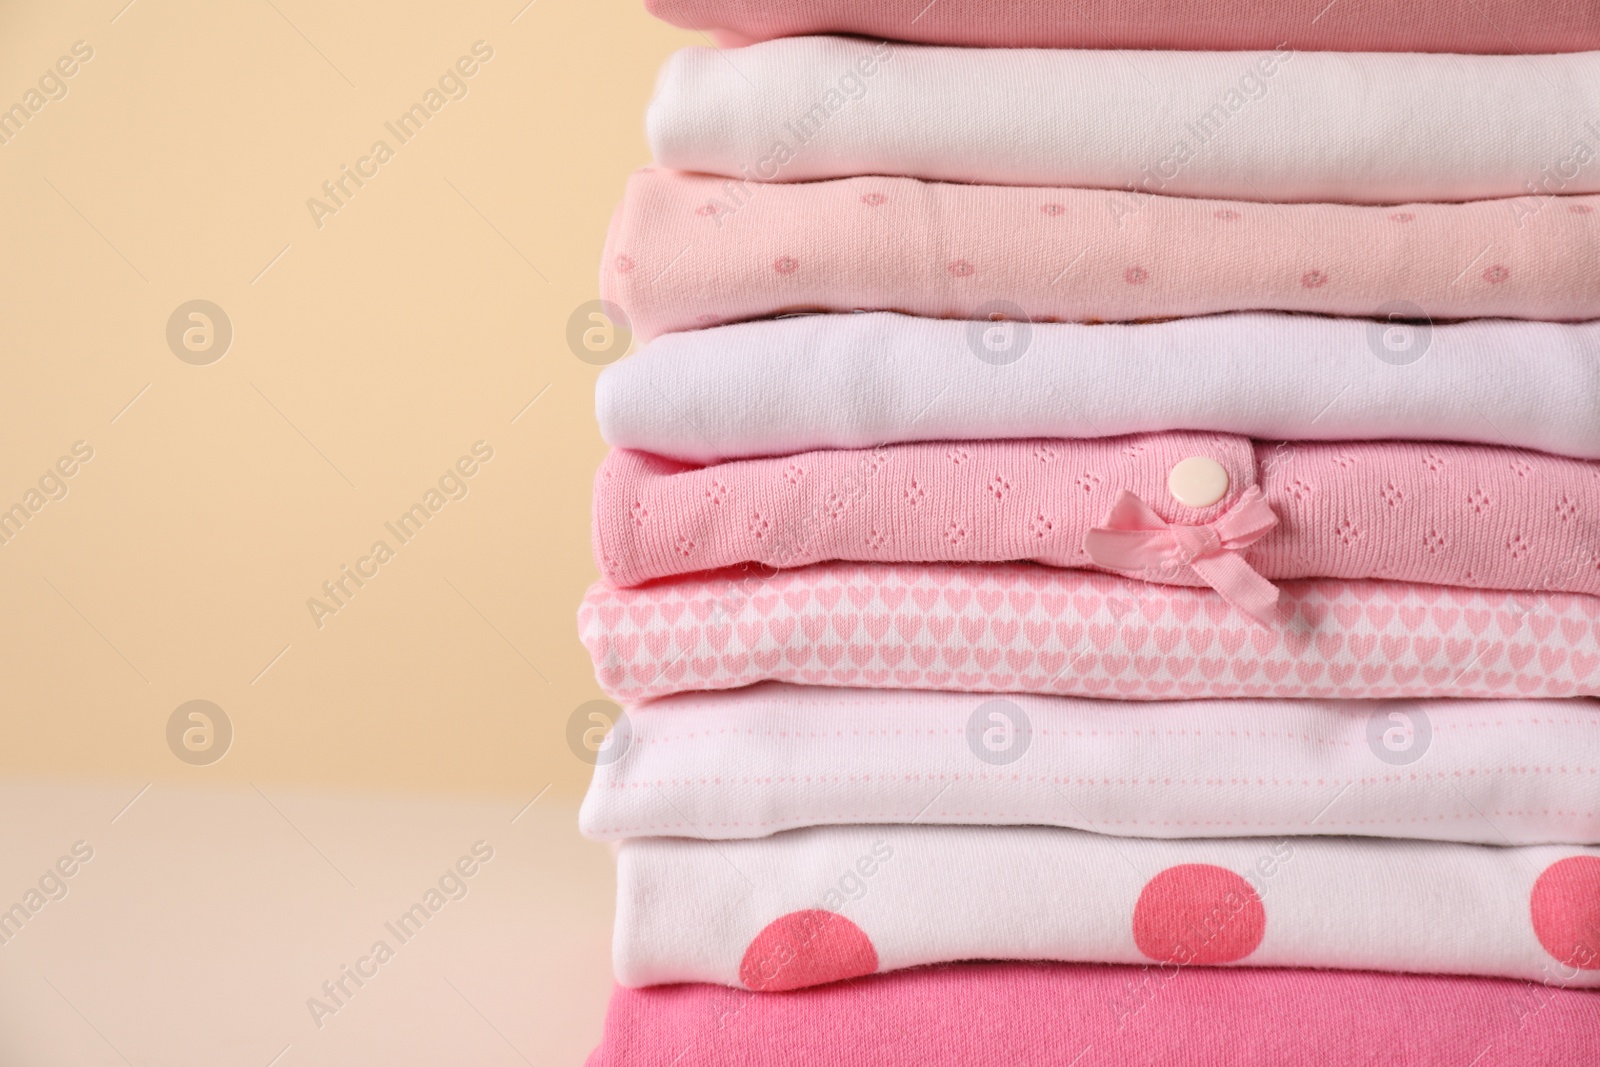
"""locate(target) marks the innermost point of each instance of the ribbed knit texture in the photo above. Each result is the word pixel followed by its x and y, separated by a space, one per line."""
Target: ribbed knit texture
pixel 689 250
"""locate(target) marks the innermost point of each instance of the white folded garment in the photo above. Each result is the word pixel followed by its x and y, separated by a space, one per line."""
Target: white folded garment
pixel 812 906
pixel 750 762
pixel 1280 126
pixel 852 381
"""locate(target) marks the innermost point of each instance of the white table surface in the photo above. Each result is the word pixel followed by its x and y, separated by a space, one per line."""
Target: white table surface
pixel 207 918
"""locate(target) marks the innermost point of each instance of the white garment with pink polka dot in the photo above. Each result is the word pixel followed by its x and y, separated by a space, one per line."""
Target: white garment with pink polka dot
pixel 812 906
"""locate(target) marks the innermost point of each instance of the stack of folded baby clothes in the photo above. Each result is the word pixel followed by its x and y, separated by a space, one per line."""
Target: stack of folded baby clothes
pixel 1111 537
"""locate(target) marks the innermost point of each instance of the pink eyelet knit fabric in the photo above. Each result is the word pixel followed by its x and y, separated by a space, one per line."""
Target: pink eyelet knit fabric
pixel 686 251
pixel 1487 26
pixel 1017 628
pixel 756 761
pixel 1441 514
pixel 1107 1016
pixel 819 905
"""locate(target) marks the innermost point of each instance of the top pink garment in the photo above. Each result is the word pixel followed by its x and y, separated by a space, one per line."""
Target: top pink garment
pixel 1478 26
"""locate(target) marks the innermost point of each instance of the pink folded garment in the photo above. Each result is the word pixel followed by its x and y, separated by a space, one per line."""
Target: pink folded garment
pixel 1465 515
pixel 686 250
pixel 1017 628
pixel 807 907
pixel 1477 26
pixel 755 761
pixel 1106 1016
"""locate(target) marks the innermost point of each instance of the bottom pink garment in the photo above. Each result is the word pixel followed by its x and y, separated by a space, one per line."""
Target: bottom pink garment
pixel 1107 1016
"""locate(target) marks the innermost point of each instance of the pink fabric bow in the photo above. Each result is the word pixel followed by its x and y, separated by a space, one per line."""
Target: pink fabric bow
pixel 1134 538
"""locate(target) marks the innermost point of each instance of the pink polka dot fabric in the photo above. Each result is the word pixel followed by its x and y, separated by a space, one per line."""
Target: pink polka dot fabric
pixel 1076 255
pixel 814 946
pixel 1487 26
pixel 1012 628
pixel 1186 897
pixel 1107 1016
pixel 833 903
pixel 1479 517
pixel 1566 911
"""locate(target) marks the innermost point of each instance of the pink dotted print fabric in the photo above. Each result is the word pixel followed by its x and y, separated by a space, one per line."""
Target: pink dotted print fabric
pixel 1016 628
pixel 1050 1013
pixel 1078 255
pixel 826 904
pixel 1479 517
pixel 1491 26
pixel 751 762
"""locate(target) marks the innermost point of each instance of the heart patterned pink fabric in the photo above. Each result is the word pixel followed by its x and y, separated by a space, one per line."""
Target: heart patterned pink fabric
pixel 1017 628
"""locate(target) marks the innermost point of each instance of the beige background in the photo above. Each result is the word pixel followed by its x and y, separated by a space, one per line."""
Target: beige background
pixel 368 354
pixel 366 358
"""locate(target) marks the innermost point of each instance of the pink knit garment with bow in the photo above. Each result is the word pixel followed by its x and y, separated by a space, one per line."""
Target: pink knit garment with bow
pixel 1134 538
pixel 1460 515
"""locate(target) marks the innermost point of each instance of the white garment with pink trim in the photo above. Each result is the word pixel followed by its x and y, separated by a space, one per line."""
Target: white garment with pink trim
pixel 751 762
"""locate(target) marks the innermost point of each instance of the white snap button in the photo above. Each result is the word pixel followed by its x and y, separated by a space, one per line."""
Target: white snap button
pixel 1198 481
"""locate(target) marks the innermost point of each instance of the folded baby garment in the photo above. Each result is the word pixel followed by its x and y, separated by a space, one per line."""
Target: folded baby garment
pixel 1270 125
pixel 775 387
pixel 1468 515
pixel 1480 26
pixel 1017 628
pixel 811 906
pixel 688 250
pixel 1088 1015
pixel 751 762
